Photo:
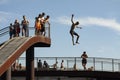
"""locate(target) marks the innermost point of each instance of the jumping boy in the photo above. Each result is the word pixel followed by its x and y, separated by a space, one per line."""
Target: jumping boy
pixel 72 32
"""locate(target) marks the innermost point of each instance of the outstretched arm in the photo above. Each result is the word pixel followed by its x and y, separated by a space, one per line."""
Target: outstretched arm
pixel 78 27
pixel 72 18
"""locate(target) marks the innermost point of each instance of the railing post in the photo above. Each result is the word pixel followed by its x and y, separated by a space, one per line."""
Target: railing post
pixel 56 59
pixel 119 66
pixel 67 64
pixel 113 65
pixel 102 65
pixel 37 62
pixel 75 60
pixel 49 31
pixel 94 63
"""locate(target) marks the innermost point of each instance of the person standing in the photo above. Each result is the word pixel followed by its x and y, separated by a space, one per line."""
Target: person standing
pixel 72 32
pixel 62 65
pixel 39 65
pixel 17 28
pixel 45 65
pixel 11 31
pixel 42 18
pixel 84 59
pixel 46 23
pixel 37 26
pixel 25 24
pixel 55 65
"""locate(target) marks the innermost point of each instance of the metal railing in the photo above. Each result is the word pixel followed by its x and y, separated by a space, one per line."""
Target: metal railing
pixel 4 33
pixel 99 64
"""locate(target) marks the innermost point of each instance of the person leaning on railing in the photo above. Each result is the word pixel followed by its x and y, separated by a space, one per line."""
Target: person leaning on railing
pixel 17 28
pixel 45 65
pixel 84 60
pixel 46 21
pixel 62 65
pixel 42 18
pixel 55 65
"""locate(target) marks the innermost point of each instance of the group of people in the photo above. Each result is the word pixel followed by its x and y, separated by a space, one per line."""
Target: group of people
pixel 16 66
pixel 45 65
pixel 42 66
pixel 14 29
pixel 55 66
pixel 40 22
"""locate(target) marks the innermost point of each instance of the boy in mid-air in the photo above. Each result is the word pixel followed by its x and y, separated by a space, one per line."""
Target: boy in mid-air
pixel 72 32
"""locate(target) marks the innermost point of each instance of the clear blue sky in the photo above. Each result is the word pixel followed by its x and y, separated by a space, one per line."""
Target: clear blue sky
pixel 100 36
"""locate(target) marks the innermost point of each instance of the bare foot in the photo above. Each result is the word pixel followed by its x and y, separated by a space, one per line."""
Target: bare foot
pixel 77 42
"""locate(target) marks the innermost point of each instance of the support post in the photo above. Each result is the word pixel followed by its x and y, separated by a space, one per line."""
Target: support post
pixel 30 64
pixel 8 74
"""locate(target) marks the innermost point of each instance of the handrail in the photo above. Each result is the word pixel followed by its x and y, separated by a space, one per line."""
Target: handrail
pixel 99 64
pixel 5 31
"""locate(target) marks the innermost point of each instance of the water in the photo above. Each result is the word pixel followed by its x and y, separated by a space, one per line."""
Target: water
pixel 54 78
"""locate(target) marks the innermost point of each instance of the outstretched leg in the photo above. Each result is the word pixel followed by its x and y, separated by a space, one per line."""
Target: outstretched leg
pixel 72 38
pixel 77 37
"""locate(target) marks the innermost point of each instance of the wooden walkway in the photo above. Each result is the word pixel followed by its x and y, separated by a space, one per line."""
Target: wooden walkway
pixel 13 48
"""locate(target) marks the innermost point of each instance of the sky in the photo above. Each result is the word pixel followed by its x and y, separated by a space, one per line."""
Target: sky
pixel 99 19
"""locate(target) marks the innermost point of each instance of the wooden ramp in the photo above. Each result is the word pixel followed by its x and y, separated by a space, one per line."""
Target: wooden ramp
pixel 13 48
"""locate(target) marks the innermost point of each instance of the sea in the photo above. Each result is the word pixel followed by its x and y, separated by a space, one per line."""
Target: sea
pixel 54 78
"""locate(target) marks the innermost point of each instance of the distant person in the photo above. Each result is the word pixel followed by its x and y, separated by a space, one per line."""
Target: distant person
pixel 15 66
pixel 91 68
pixel 55 65
pixel 37 26
pixel 42 18
pixel 20 66
pixel 72 32
pixel 11 31
pixel 39 64
pixel 75 66
pixel 25 24
pixel 84 59
pixel 14 31
pixel 62 65
pixel 45 65
pixel 46 22
pixel 17 28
